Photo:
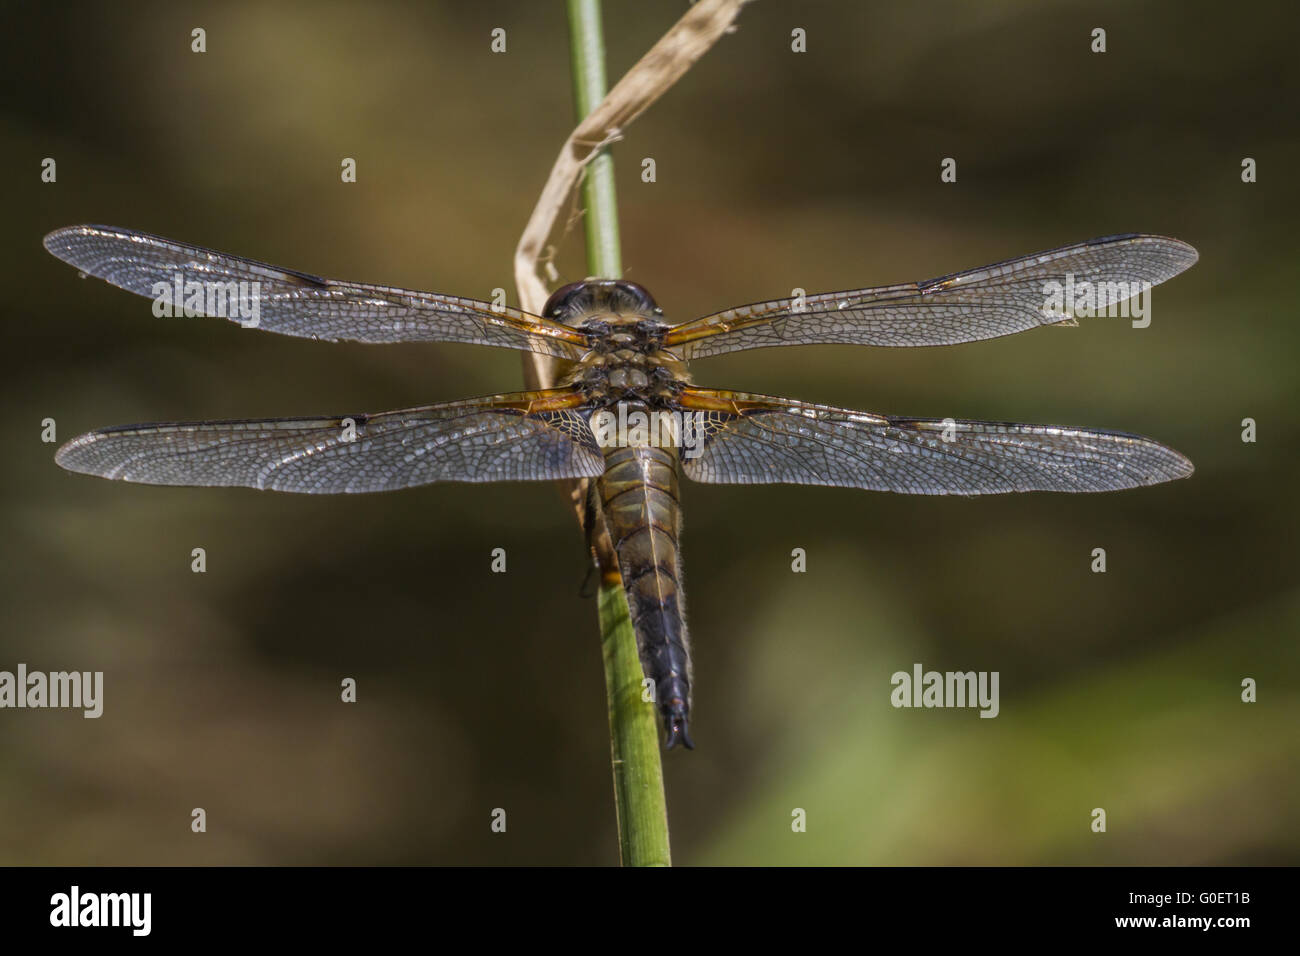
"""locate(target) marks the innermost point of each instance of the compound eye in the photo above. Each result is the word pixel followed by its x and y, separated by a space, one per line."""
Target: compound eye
pixel 568 300
pixel 630 298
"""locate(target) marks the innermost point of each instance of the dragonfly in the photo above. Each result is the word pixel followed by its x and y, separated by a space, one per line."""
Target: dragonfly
pixel 624 412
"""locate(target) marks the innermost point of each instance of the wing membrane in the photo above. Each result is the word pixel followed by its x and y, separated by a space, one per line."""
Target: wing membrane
pixel 526 436
pixel 982 303
pixel 757 439
pixel 296 303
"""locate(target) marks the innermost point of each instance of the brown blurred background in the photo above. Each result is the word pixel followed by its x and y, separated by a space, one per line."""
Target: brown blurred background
pixel 775 170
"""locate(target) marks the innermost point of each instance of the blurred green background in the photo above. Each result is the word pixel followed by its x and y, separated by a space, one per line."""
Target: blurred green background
pixel 775 170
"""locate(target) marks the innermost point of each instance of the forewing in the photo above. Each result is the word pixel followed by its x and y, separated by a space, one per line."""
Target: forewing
pixel 757 439
pixel 296 303
pixel 967 306
pixel 528 436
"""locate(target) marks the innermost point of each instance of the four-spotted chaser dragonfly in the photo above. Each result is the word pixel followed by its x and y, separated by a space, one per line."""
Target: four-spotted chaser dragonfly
pixel 623 364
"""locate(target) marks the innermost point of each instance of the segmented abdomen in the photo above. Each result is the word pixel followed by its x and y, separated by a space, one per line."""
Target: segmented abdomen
pixel 639 495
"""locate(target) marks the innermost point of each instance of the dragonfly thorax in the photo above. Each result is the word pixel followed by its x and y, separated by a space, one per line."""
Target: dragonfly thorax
pixel 625 358
pixel 645 377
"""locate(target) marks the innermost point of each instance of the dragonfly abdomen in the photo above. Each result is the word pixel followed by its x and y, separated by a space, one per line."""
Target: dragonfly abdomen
pixel 639 496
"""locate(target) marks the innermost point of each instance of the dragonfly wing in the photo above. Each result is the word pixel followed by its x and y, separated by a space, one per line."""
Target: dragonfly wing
pixel 528 436
pixel 296 303
pixel 982 303
pixel 756 439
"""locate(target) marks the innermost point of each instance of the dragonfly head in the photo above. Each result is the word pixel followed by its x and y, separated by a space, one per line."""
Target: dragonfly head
pixel 579 300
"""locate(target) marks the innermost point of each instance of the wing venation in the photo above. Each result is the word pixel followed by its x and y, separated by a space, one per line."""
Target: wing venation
pixel 503 438
pixel 297 303
pixel 757 439
pixel 983 303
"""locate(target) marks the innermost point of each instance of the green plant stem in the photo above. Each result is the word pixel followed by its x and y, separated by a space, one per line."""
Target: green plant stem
pixel 639 803
pixel 587 47
pixel 634 740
